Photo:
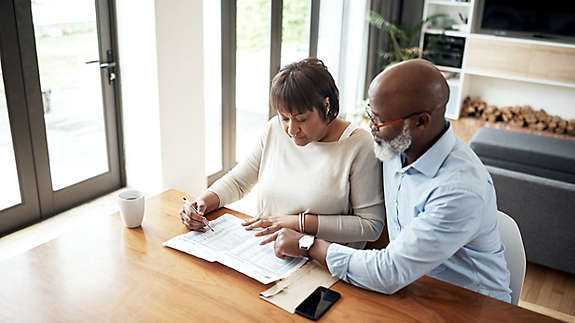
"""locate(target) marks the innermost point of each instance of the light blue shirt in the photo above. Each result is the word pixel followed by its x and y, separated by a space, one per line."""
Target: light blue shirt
pixel 442 222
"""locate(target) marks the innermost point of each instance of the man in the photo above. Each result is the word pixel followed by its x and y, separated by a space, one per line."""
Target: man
pixel 440 201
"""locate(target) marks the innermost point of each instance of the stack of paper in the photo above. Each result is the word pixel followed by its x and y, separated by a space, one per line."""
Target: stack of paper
pixel 231 245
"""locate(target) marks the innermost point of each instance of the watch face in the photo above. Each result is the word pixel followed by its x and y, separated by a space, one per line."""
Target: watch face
pixel 305 242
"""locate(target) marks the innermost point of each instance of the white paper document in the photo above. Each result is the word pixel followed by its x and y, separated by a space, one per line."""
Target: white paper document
pixel 231 245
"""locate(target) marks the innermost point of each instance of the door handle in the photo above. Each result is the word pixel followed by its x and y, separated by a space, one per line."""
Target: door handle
pixel 110 65
pixel 104 64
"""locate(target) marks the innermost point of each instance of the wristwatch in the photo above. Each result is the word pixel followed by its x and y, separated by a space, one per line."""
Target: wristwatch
pixel 305 243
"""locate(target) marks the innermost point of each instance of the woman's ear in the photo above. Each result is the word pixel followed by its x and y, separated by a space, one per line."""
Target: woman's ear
pixel 326 105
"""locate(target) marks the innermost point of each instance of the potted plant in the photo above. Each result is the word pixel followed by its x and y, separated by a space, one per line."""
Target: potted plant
pixel 402 38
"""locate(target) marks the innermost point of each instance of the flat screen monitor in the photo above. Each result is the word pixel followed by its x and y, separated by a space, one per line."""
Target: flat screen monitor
pixel 537 19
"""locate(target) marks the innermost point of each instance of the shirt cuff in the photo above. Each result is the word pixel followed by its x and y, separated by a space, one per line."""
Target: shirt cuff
pixel 337 260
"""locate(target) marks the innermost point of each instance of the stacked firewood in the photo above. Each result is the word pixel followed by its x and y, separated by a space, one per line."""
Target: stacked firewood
pixel 518 116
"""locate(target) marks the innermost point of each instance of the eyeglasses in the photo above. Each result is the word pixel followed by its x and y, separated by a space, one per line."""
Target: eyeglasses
pixel 378 125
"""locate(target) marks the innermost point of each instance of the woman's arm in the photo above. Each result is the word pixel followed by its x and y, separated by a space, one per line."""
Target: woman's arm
pixel 242 178
pixel 366 200
pixel 365 225
pixel 208 202
pixel 231 187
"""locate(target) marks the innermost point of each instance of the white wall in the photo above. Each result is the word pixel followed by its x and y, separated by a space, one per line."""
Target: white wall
pixel 139 86
pixel 179 46
pixel 161 65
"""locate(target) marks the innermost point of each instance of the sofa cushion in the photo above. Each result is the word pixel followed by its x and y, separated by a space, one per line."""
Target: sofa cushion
pixel 543 210
pixel 543 156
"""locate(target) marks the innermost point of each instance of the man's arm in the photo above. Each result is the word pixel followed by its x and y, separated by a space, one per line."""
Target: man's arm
pixel 319 251
pixel 287 245
pixel 451 218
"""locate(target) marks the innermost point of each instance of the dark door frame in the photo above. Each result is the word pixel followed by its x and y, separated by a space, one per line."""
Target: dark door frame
pixel 29 209
pixel 29 111
pixel 228 45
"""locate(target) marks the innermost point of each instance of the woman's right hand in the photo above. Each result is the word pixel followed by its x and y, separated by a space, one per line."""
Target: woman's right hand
pixel 192 220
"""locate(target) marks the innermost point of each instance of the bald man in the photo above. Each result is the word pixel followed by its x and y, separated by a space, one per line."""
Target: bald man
pixel 440 200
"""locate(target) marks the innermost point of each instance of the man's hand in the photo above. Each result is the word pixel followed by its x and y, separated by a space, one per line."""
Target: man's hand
pixel 287 245
pixel 271 224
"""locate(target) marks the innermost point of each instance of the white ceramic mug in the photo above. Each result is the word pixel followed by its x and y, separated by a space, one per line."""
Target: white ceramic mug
pixel 131 204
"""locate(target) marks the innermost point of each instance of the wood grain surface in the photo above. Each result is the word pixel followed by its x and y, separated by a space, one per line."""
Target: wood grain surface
pixel 106 272
pixel 518 59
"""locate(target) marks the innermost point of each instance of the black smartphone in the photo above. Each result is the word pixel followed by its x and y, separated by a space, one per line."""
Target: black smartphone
pixel 317 303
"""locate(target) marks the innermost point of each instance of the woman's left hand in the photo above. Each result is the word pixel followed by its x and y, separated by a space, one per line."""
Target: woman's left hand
pixel 272 224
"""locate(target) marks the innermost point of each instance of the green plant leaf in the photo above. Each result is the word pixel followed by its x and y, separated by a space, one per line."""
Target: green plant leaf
pixel 401 38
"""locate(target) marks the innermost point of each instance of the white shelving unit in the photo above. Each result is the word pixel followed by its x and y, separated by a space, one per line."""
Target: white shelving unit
pixel 518 78
pixel 446 32
pixel 553 91
pixel 449 3
pixel 454 10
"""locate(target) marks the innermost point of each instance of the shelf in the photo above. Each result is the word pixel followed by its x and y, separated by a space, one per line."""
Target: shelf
pixel 505 70
pixel 453 33
pixel 519 78
pixel 448 68
pixel 522 40
pixel 452 107
pixel 449 3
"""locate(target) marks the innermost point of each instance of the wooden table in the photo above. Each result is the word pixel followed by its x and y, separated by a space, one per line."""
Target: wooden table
pixel 106 272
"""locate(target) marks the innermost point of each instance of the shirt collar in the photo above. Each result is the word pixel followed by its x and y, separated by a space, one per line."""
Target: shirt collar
pixel 428 164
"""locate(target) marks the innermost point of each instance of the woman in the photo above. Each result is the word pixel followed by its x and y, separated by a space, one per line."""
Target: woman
pixel 317 173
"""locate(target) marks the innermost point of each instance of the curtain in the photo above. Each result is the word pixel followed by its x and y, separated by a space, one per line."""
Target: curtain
pixel 400 12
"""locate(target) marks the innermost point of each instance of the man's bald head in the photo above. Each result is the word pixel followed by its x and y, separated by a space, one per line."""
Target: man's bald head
pixel 416 92
pixel 408 87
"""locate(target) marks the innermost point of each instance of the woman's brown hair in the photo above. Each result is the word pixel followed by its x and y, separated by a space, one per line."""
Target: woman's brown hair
pixel 303 86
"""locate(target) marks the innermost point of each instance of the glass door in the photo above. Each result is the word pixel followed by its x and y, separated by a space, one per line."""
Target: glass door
pixel 19 202
pixel 18 192
pixel 66 40
pixel 10 189
pixel 67 45
pixel 69 75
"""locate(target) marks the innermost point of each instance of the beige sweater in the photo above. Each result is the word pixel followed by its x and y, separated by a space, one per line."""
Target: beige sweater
pixel 340 181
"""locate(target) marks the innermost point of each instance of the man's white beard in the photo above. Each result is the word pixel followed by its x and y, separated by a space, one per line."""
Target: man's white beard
pixel 388 150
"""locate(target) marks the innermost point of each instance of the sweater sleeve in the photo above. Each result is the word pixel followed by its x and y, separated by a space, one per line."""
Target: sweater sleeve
pixel 366 199
pixel 242 178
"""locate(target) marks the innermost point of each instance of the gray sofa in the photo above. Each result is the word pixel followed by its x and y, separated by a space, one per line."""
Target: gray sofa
pixel 534 177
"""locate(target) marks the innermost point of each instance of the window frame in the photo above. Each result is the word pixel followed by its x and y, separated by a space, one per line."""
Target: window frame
pixel 228 61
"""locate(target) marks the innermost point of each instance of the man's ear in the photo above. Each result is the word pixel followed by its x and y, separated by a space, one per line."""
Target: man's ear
pixel 423 120
pixel 326 105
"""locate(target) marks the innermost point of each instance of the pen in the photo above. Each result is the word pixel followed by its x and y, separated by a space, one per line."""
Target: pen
pixel 189 204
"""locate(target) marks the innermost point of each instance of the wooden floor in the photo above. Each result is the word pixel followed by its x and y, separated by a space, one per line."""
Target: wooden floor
pixel 545 290
pixel 549 291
